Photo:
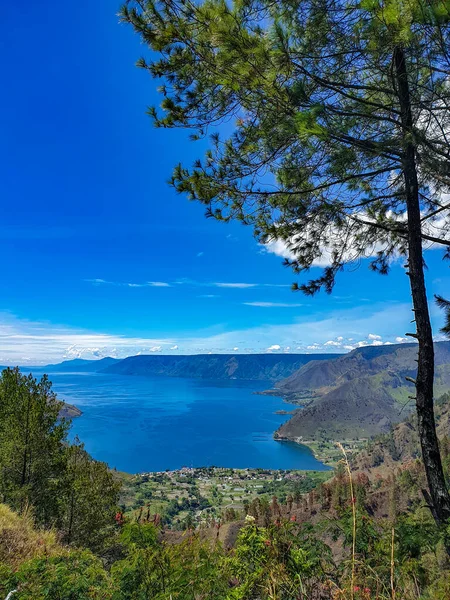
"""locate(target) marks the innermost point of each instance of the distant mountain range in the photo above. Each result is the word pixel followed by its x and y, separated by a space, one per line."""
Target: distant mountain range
pixel 358 394
pixel 346 396
pixel 217 366
pixel 269 367
pixel 79 364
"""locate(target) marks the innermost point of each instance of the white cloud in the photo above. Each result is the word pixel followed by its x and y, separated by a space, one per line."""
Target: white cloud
pixel 26 342
pixel 248 285
pixel 188 282
pixel 272 304
pixel 235 349
pixel 365 343
pixel 96 281
pixel 235 285
pixel 158 284
pixel 332 343
pixel 352 324
pixel 285 248
pixel 229 285
pixel 208 296
pixel 374 336
pixel 401 340
pixel 129 284
pixel 173 347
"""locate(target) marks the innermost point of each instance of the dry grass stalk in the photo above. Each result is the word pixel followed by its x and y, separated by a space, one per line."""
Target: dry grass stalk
pixel 353 501
pixel 392 565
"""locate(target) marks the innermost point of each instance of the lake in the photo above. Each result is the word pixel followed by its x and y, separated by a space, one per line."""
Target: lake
pixel 156 423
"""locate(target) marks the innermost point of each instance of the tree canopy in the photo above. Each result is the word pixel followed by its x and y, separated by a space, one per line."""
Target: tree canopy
pixel 445 304
pixel 40 470
pixel 32 438
pixel 315 155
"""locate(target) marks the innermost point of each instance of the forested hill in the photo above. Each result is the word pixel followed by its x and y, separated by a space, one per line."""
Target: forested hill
pixel 359 394
pixel 217 366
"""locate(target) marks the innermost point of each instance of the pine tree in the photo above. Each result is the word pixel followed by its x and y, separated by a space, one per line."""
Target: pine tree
pixel 275 507
pixel 339 149
pixel 265 511
pixel 32 458
pixel 88 501
pixel 393 501
pixel 289 502
pixel 445 304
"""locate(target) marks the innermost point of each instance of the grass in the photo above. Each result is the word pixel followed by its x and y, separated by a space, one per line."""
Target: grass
pixel 19 540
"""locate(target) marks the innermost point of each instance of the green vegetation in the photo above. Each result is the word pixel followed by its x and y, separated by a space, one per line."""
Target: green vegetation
pixel 41 470
pixel 445 304
pixel 31 444
pixel 296 548
pixel 210 533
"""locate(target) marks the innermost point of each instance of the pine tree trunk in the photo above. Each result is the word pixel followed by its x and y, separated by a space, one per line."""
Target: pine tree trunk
pixel 71 515
pixel 23 478
pixel 439 498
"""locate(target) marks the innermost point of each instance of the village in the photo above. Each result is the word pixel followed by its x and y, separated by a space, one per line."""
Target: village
pixel 199 495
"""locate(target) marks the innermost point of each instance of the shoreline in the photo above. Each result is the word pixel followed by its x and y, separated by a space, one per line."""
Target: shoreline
pixel 325 459
pixel 324 452
pixel 327 452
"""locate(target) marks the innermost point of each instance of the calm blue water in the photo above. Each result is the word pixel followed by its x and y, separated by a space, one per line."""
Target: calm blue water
pixel 152 424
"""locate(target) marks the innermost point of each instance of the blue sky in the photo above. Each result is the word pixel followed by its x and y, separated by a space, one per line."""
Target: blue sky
pixel 101 257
